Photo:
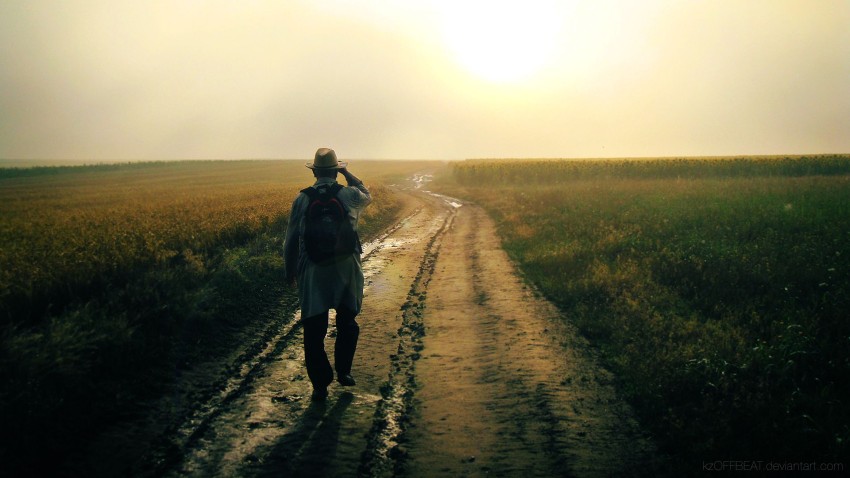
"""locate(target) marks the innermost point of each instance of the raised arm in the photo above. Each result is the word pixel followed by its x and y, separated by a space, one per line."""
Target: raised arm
pixel 353 181
pixel 350 178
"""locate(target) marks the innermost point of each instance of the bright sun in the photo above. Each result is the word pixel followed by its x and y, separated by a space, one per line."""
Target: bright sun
pixel 501 41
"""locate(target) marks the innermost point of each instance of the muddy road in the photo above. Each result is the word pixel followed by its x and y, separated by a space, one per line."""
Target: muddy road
pixel 461 371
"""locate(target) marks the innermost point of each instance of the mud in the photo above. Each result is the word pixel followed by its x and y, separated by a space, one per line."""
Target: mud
pixel 461 370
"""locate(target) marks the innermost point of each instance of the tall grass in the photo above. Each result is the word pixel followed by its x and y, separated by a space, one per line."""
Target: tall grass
pixel 719 301
pixel 543 171
pixel 115 277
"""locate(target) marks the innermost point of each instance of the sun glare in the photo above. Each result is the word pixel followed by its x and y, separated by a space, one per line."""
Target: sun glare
pixel 501 41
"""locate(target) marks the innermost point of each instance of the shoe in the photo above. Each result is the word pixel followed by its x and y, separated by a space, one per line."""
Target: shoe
pixel 346 380
pixel 319 394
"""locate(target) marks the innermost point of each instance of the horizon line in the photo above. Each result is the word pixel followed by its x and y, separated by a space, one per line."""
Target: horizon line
pixel 58 162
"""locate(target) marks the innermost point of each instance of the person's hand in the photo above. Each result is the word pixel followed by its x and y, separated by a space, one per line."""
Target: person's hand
pixel 352 179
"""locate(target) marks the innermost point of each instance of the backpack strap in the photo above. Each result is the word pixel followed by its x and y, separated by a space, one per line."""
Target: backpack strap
pixel 312 192
pixel 336 188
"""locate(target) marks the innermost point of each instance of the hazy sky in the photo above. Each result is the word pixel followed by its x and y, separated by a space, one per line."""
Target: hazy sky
pixel 156 79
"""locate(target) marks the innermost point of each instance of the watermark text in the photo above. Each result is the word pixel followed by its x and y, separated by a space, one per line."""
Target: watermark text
pixel 770 466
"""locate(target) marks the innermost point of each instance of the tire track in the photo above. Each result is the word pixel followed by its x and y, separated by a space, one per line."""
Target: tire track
pixel 383 456
pixel 185 436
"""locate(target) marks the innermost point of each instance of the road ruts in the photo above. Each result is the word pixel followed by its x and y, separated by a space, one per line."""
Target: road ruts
pixel 263 422
pixel 384 456
pixel 505 386
pixel 461 371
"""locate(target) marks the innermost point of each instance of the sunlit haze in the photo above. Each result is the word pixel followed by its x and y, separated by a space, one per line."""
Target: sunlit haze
pixel 502 41
pixel 120 79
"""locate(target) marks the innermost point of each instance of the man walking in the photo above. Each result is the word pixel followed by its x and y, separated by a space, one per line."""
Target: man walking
pixel 322 250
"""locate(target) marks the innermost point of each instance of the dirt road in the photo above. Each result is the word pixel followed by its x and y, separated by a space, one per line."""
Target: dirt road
pixel 461 371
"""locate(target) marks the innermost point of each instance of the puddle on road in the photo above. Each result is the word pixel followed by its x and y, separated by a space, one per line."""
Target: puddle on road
pixel 453 202
pixel 420 180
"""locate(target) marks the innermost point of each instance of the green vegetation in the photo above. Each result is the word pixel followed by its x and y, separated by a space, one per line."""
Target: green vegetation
pixel 717 290
pixel 544 171
pixel 115 277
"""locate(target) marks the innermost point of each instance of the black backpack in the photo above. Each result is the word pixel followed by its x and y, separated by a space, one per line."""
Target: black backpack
pixel 328 234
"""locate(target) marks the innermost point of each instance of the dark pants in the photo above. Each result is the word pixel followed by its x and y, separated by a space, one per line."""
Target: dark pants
pixel 315 328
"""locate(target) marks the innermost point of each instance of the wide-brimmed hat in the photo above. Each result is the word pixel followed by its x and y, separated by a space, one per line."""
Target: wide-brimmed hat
pixel 326 159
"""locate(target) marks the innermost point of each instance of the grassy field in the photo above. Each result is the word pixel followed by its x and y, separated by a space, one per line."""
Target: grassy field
pixel 113 276
pixel 716 289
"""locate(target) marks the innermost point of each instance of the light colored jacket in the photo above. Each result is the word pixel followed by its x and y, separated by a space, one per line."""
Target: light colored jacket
pixel 324 287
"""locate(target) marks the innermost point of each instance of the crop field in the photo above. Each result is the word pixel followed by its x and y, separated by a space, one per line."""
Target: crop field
pixel 113 275
pixel 716 290
pixel 65 228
